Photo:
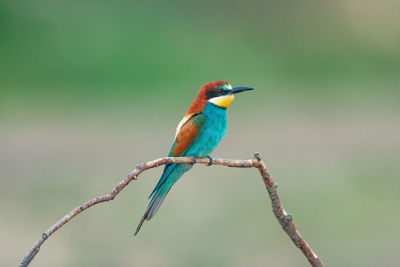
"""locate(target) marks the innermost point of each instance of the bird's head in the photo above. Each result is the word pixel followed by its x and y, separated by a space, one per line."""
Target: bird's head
pixel 221 93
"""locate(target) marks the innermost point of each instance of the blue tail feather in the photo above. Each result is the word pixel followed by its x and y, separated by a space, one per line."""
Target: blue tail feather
pixel 167 171
pixel 154 204
pixel 171 174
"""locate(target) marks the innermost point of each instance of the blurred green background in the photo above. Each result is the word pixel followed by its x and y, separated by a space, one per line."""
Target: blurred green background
pixel 88 89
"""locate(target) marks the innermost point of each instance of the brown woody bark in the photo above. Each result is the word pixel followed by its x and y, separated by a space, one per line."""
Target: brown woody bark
pixel 283 217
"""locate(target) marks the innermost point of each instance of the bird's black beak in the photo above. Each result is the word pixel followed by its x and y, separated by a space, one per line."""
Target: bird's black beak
pixel 236 90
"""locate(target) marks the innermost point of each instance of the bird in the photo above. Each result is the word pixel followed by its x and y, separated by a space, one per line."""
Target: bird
pixel 198 133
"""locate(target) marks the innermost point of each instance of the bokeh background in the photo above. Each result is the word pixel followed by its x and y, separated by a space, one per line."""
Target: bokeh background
pixel 88 89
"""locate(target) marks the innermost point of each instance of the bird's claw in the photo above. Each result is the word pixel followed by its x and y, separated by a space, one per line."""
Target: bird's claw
pixel 193 159
pixel 211 160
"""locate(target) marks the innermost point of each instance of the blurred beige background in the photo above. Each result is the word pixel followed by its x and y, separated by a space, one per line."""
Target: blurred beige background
pixel 90 89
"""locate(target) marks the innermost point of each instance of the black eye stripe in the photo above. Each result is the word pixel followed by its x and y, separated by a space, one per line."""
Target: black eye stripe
pixel 211 94
pixel 218 92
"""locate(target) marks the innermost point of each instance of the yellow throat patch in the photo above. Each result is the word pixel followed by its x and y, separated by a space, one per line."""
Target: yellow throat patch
pixel 222 101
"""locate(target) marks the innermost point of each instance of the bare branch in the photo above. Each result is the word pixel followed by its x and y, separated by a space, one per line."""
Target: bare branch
pixel 283 217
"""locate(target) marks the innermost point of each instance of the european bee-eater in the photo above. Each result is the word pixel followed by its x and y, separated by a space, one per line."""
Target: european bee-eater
pixel 197 134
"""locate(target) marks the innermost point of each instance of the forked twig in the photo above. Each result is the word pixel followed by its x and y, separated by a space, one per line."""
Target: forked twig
pixel 283 217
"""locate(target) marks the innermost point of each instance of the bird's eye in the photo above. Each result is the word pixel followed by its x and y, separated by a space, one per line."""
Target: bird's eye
pixel 220 91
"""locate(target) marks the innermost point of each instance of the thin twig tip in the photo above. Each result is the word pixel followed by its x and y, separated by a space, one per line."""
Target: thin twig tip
pixel 257 155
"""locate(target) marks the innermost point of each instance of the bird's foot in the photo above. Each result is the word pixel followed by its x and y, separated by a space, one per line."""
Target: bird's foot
pixel 211 160
pixel 193 159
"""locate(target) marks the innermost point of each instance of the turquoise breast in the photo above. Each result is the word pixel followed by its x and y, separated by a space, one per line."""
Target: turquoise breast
pixel 213 131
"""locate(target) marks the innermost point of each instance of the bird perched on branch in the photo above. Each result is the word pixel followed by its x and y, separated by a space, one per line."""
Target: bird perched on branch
pixel 198 133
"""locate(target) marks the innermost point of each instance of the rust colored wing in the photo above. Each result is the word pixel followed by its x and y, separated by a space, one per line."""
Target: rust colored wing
pixel 187 134
pixel 188 131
